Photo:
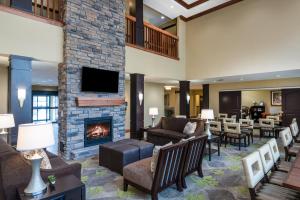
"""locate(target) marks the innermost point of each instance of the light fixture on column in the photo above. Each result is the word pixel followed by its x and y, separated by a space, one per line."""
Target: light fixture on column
pixel 153 112
pixel 141 97
pixel 188 98
pixel 34 137
pixel 21 96
pixel 207 114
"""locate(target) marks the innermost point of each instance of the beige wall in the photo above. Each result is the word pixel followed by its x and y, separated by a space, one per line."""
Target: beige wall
pixel 214 89
pixel 3 89
pixel 152 65
pixel 194 102
pixel 260 95
pixel 153 97
pixel 252 36
pixel 26 37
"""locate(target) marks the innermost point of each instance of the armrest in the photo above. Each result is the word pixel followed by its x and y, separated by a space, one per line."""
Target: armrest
pixel 74 169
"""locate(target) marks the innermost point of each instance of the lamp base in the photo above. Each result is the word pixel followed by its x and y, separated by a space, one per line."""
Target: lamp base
pixel 207 131
pixel 36 185
pixel 153 119
pixel 3 132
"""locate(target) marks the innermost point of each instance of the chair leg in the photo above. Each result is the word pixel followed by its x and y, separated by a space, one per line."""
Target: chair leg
pixel 252 137
pixel 239 144
pixel 183 183
pixel 125 186
pixel 225 141
pixel 200 173
pixel 245 141
pixel 154 196
pixel 179 186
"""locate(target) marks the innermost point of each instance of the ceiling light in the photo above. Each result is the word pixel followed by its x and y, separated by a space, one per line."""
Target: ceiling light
pixel 162 17
pixel 241 79
pixel 168 87
pixel 171 6
pixel 215 81
pixel 277 75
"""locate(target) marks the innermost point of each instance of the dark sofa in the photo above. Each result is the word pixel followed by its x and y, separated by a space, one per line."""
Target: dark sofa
pixel 171 129
pixel 15 171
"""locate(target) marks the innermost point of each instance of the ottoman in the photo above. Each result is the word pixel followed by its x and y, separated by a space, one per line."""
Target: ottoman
pixel 116 155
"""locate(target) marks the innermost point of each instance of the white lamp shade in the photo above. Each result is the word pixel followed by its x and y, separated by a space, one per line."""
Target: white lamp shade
pixel 153 111
pixel 207 114
pixel 35 136
pixel 7 121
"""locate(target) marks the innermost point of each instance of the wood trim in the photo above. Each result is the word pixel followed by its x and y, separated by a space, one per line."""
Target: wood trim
pixel 98 102
pixel 229 3
pixel 30 16
pixel 192 5
pixel 150 51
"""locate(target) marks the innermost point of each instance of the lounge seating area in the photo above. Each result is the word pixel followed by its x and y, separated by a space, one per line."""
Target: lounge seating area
pixel 149 99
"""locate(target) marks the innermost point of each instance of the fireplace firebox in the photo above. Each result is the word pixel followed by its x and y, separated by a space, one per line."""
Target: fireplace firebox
pixel 97 131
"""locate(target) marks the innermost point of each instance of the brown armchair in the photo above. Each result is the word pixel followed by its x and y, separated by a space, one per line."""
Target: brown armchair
pixel 168 171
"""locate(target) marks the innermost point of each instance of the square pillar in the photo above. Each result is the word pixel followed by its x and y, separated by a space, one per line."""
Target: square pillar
pixel 136 107
pixel 20 77
pixel 139 25
pixel 184 105
pixel 205 96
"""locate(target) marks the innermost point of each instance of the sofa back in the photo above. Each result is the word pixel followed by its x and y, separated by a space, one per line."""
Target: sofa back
pixel 173 124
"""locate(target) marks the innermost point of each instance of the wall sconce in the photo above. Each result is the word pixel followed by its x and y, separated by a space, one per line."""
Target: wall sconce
pixel 141 97
pixel 21 96
pixel 188 98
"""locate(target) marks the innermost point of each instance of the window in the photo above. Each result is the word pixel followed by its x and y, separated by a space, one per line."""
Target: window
pixel 44 106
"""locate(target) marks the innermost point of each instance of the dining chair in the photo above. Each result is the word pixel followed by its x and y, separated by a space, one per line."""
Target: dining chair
pixel 279 164
pixel 295 131
pixel 276 119
pixel 287 141
pixel 229 120
pixel 233 131
pixel 222 115
pixel 249 129
pixel 275 177
pixel 216 129
pixel 267 127
pixel 254 173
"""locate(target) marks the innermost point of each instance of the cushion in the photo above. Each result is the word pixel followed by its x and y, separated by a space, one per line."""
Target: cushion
pixel 45 164
pixel 190 138
pixel 167 133
pixel 139 172
pixel 190 128
pixel 155 156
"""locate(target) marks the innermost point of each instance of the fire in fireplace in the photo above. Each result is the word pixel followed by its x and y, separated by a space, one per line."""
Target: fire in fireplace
pixel 97 131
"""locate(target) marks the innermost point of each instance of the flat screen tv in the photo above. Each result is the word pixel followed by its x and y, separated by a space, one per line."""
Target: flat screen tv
pixel 99 80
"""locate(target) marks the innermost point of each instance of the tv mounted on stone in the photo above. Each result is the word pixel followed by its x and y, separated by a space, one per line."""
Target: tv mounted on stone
pixel 99 80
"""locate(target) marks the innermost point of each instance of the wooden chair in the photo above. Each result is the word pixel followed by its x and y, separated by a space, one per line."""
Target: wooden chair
pixel 254 173
pixel 194 157
pixel 233 131
pixel 249 129
pixel 168 171
pixel 216 129
pixel 275 177
pixel 267 127
pixel 295 131
pixel 278 163
pixel 287 141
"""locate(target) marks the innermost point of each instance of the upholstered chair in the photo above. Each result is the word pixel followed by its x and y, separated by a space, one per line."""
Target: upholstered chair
pixel 222 115
pixel 248 129
pixel 267 127
pixel 287 141
pixel 253 169
pixel 216 129
pixel 295 131
pixel 276 119
pixel 168 171
pixel 279 164
pixel 276 177
pixel 233 131
pixel 229 120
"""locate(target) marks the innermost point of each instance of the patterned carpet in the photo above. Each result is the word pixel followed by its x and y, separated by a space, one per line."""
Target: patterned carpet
pixel 223 179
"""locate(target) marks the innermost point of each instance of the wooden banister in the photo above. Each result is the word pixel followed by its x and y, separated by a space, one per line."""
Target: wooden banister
pixel 155 39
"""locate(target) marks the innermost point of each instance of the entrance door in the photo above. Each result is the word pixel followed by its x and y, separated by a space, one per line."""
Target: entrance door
pixel 230 103
pixel 290 106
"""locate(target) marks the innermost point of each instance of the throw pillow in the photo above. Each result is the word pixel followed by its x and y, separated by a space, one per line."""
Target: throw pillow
pixel 45 164
pixel 155 156
pixel 190 128
pixel 184 140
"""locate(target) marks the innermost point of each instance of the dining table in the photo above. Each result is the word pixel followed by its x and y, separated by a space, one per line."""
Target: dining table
pixel 293 179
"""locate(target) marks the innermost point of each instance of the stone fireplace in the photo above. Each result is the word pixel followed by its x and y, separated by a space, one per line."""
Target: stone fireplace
pixel 94 36
pixel 97 131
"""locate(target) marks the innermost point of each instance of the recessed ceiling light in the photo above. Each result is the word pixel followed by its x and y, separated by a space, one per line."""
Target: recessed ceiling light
pixel 162 17
pixel 215 81
pixel 241 79
pixel 277 75
pixel 168 87
pixel 171 6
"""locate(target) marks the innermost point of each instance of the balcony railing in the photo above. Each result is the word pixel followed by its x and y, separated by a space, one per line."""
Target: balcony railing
pixel 47 9
pixel 155 39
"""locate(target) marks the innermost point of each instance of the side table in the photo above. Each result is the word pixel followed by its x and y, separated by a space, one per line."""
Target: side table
pixel 66 188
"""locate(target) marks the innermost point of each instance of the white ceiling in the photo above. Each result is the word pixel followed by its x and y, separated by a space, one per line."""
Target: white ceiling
pixel 172 9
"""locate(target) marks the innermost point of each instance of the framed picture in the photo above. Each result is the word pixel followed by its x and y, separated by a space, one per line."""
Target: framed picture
pixel 276 98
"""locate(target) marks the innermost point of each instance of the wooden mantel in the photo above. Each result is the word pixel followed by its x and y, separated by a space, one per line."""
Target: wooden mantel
pixel 98 102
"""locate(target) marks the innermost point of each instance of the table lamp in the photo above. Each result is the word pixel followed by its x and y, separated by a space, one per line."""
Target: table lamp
pixel 35 136
pixel 6 121
pixel 153 112
pixel 207 114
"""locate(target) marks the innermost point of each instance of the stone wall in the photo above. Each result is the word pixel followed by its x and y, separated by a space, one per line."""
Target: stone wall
pixel 93 37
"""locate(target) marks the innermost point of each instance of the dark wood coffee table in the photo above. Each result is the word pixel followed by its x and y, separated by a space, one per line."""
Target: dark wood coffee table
pixel 210 139
pixel 66 187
